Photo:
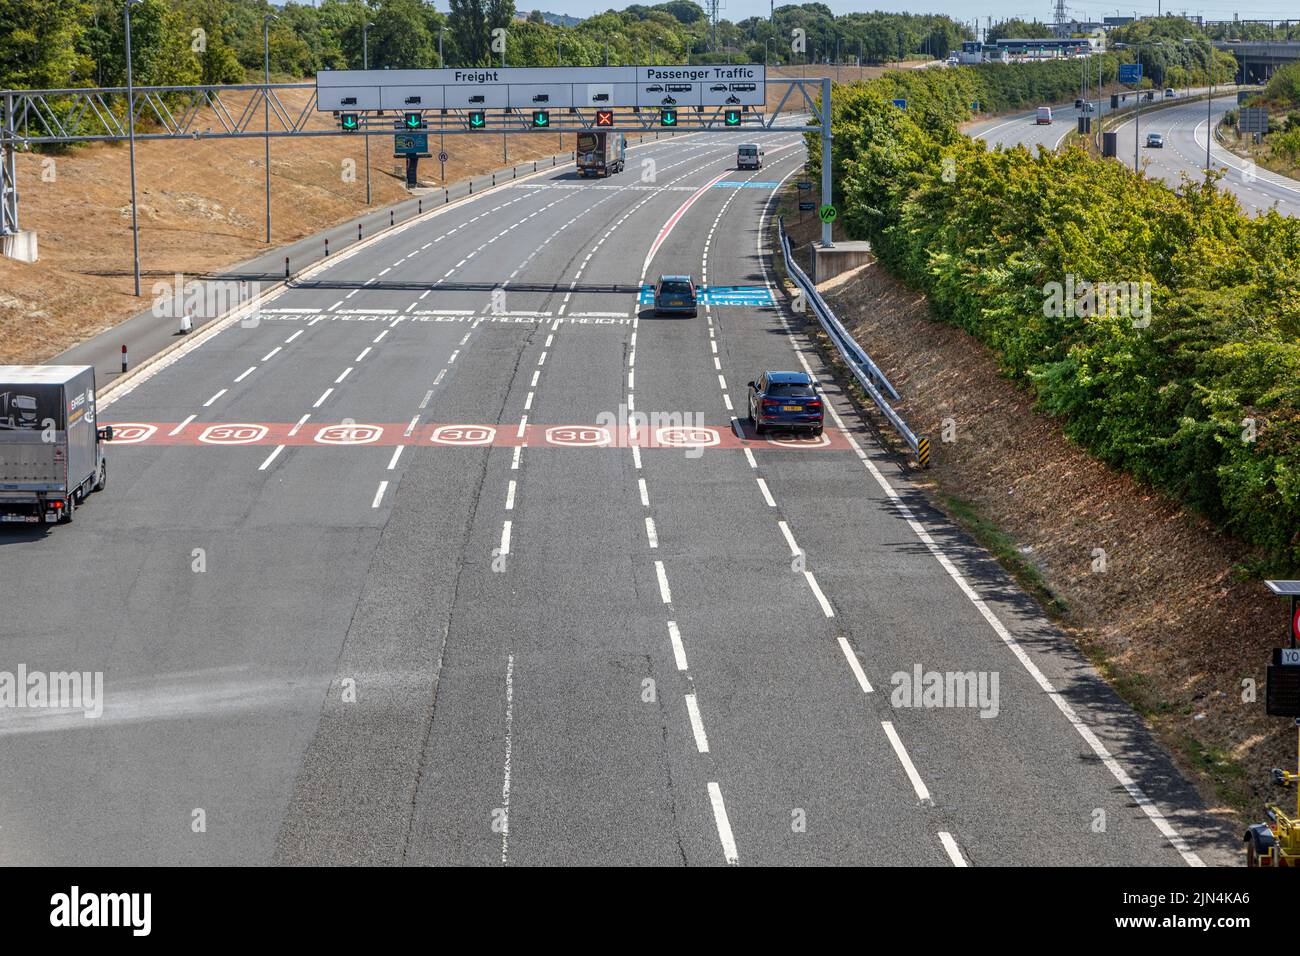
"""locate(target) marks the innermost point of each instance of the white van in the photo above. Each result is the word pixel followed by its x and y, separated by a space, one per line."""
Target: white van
pixel 1044 116
pixel 749 156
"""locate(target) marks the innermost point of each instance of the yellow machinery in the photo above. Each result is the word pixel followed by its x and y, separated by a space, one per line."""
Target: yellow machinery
pixel 1277 842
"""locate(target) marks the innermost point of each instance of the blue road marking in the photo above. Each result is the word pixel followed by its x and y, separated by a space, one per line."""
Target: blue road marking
pixel 728 184
pixel 742 295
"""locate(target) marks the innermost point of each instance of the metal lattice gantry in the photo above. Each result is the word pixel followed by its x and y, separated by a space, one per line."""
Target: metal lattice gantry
pixel 30 118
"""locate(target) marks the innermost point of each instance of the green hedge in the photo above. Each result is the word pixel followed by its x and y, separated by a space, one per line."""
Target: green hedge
pixel 1204 401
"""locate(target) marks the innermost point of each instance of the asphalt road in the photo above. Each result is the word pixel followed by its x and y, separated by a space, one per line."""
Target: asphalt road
pixel 1183 155
pixel 540 650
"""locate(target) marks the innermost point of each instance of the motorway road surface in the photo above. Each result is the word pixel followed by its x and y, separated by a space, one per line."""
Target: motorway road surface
pixel 1184 128
pixel 418 649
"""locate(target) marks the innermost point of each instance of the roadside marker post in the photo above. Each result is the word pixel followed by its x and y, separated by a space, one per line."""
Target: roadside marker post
pixel 923 452
pixel 124 358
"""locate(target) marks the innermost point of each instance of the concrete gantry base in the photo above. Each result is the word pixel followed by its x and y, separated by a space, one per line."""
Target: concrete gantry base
pixel 841 257
pixel 21 245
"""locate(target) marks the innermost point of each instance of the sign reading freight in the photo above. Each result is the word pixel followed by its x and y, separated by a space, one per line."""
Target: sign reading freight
pixel 532 88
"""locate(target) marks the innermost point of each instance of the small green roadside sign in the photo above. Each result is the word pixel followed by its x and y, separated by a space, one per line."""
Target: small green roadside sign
pixel 827 213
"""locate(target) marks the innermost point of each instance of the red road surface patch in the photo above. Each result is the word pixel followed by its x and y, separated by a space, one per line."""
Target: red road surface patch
pixel 461 435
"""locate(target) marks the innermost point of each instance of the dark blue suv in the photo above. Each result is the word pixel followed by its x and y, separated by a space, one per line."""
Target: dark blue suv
pixel 785 400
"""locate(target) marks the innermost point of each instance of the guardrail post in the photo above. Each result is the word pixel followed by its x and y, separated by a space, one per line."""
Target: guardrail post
pixel 471 187
pixel 446 197
pixel 390 218
pixel 286 267
pixel 327 245
pixel 514 172
pixel 419 206
pixel 358 232
pixel 123 358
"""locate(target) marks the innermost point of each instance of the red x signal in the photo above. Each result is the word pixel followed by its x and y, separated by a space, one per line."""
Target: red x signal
pixel 604 117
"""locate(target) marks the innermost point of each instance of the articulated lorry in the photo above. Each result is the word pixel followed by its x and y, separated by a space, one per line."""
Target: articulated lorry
pixel 600 153
pixel 51 449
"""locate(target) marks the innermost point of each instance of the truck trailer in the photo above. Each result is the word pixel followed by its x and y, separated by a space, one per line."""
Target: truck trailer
pixel 600 153
pixel 51 448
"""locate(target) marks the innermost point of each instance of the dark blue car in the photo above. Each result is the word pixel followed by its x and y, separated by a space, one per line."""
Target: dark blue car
pixel 785 400
pixel 675 295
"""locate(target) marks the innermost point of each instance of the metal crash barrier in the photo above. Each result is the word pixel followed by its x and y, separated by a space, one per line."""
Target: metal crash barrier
pixel 867 373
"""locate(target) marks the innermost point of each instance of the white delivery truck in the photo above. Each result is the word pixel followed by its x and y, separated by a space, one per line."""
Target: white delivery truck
pixel 1044 117
pixel 51 449
pixel 749 156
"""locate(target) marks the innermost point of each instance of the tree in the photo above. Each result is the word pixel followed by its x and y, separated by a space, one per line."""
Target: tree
pixel 38 43
pixel 1016 29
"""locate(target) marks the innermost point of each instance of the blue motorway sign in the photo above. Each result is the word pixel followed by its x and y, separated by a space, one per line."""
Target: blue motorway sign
pixel 901 104
pixel 1130 73
pixel 807 205
pixel 743 295
pixel 411 144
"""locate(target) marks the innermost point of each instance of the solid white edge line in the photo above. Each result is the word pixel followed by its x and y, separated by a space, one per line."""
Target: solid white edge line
pixel 922 792
pixel 729 851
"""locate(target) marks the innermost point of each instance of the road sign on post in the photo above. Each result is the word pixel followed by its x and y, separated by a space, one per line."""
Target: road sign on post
pixel 901 103
pixel 1130 73
pixel 827 213
pixel 1253 119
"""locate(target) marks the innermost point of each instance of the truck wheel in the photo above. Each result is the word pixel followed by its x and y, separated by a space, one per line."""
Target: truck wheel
pixel 69 508
pixel 102 478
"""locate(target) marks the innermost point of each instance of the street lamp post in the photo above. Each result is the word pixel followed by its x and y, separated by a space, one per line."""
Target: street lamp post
pixel 266 111
pixel 441 62
pixel 559 53
pixel 130 126
pixel 365 65
pixel 767 49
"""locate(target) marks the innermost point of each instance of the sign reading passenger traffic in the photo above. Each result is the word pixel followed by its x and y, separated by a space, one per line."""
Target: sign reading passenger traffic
pixel 542 88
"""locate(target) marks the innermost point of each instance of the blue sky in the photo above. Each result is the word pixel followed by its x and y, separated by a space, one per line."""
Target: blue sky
pixel 969 9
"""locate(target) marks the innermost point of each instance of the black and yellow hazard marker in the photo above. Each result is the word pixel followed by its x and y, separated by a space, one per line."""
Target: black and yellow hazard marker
pixel 923 452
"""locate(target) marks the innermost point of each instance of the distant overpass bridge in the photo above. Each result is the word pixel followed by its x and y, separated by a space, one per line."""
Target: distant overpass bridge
pixel 1258 60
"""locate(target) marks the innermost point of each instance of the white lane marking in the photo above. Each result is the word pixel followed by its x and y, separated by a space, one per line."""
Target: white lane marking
pixel 536 375
pixel 379 495
pixel 214 398
pixel 528 402
pixel 378 337
pixel 762 486
pixel 510 496
pixel 271 354
pixel 697 724
pixel 424 402
pixel 855 665
pixel 514 459
pixel 438 378
pixel 821 598
pixel 789 538
pixel 523 423
pixel 390 269
pixel 541 359
pixel 347 371
pixel 302 421
pixel 650 534
pixel 247 372
pixel 294 336
pixel 505 537
pixel 645 494
pixel 364 352
pixel 749 457
pixel 410 427
pixel 729 851
pixel 505 777
pixel 321 401
pixel 397 453
pixel 953 850
pixel 664 592
pixel 453 357
pixel 679 651
pixel 1190 857
pixel 335 306
pixel 636 457
pixel 182 425
pixel 270 458
pixel 922 792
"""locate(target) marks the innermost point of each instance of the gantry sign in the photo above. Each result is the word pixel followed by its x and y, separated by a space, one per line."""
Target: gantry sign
pixel 524 88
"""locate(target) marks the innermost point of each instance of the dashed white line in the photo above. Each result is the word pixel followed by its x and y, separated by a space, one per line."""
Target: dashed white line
pixel 953 850
pixel 651 536
pixel 510 496
pixel 505 537
pixel 821 598
pixel 347 371
pixel 321 401
pixel 729 851
pixel 182 425
pixel 664 592
pixel 679 651
pixel 697 724
pixel 379 495
pixel 855 665
pixel 762 486
pixel 397 453
pixel 214 398
pixel 922 792
pixel 270 458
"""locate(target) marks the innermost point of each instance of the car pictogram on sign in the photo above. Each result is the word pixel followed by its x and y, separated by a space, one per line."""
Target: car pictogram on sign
pixel 349 434
pixel 463 435
pixel 579 435
pixel 233 433
pixel 132 433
